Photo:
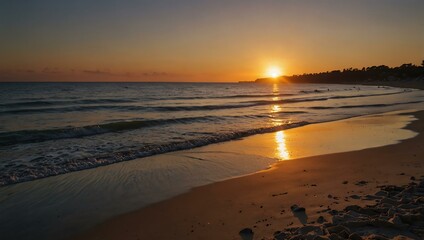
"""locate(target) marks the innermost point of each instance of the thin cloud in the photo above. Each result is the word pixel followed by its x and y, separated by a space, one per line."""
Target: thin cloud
pixel 50 70
pixel 155 74
pixel 25 71
pixel 98 72
pixel 127 74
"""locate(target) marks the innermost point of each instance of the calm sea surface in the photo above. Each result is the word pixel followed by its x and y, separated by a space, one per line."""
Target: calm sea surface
pixel 53 128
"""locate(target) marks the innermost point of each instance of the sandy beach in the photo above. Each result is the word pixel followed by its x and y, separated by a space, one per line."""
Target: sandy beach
pixel 262 202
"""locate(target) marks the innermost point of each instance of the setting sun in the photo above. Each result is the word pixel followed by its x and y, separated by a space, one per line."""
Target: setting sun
pixel 273 72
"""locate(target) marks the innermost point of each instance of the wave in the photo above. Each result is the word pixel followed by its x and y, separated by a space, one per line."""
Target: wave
pixel 333 97
pixel 364 106
pixel 261 103
pixel 291 112
pixel 36 102
pixel 31 136
pixel 41 103
pixel 227 96
pixel 245 104
pixel 15 175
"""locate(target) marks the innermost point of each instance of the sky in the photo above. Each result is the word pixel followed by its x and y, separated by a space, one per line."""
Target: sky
pixel 198 40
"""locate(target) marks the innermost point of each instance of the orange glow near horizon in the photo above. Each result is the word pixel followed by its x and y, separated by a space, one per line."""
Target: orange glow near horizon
pixel 195 41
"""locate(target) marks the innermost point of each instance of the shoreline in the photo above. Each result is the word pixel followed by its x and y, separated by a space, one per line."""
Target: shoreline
pixel 134 154
pixel 130 155
pixel 222 217
pixel 70 204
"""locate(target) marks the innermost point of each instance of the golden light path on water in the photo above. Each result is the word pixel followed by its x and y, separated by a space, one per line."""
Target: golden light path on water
pixel 281 151
pixel 275 109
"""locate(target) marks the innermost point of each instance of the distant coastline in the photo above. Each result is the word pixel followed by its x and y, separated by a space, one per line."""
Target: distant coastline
pixel 380 75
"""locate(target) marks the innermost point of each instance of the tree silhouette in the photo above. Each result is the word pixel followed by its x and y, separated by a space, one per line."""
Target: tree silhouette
pixel 403 72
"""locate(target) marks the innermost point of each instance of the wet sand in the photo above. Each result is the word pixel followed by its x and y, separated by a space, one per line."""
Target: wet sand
pixel 262 201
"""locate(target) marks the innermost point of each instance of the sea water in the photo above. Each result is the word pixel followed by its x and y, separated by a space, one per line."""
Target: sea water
pixel 48 129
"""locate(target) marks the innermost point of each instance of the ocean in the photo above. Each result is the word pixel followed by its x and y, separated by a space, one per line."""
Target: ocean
pixel 48 129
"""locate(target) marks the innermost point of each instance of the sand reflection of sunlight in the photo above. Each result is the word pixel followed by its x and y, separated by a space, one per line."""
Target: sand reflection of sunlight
pixel 281 151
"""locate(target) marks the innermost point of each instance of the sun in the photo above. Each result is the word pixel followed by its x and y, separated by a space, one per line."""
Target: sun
pixel 273 72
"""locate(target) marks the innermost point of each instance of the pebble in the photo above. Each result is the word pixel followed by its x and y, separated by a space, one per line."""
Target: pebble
pixel 355 196
pixel 296 208
pixel 361 183
pixel 355 236
pixel 246 232
pixel 321 219
pixel 397 214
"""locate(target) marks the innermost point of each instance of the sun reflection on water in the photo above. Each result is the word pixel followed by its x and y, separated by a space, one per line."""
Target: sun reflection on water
pixel 275 88
pixel 275 108
pixel 281 152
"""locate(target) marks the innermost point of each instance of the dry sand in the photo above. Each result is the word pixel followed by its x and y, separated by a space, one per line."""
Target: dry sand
pixel 262 201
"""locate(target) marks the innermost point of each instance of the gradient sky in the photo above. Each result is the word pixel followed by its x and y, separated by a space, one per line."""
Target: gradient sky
pixel 111 40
